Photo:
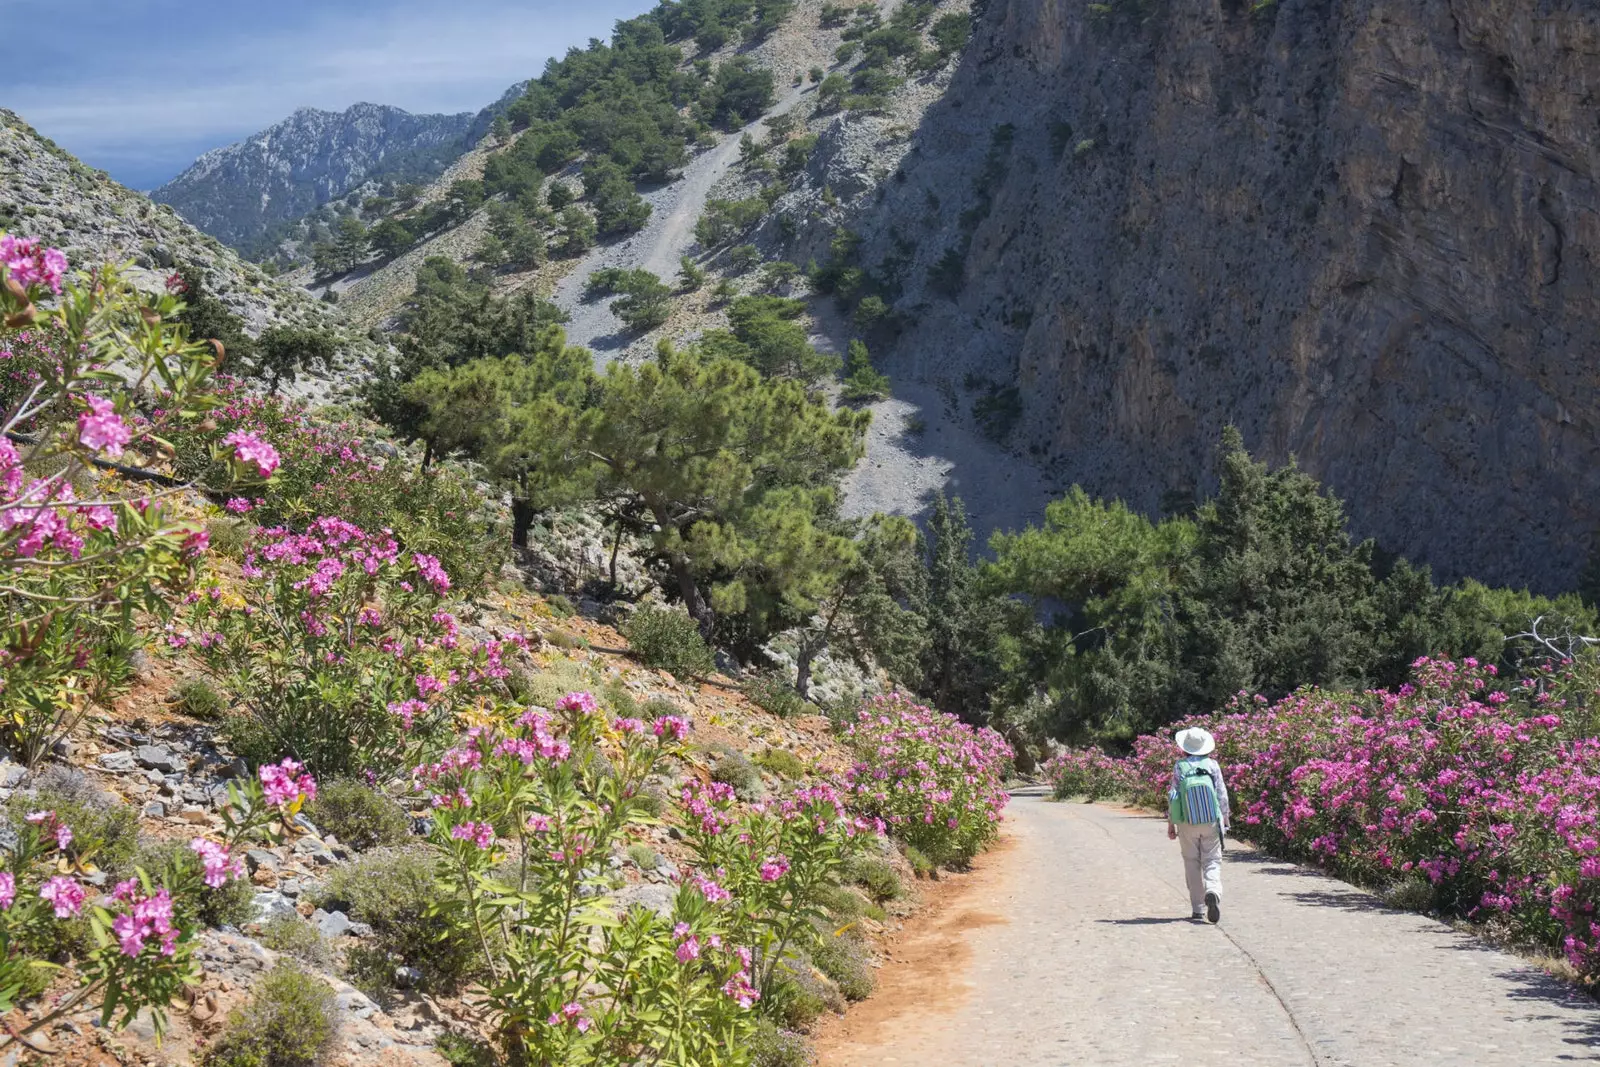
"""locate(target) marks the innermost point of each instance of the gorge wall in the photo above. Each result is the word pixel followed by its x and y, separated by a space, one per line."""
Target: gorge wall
pixel 1364 231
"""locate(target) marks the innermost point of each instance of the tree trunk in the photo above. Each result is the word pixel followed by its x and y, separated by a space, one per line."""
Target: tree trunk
pixel 699 610
pixel 522 514
pixel 427 453
pixel 802 670
pixel 615 545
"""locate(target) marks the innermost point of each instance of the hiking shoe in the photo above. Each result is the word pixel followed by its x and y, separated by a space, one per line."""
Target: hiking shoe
pixel 1213 908
pixel 1196 917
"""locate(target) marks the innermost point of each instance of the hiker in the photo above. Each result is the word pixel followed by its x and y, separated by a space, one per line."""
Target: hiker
pixel 1197 816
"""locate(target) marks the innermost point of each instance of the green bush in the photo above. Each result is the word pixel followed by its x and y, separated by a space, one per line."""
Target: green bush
pixel 668 639
pixel 395 892
pixel 771 692
pixel 732 768
pixel 876 876
pixel 644 857
pixel 289 1021
pixel 196 698
pixel 921 865
pixel 796 1000
pixel 229 537
pixel 358 815
pixel 842 959
pixel 459 1050
pixel 105 831
pixel 772 1047
pixel 230 904
pixel 843 904
pixel 782 762
pixel 294 936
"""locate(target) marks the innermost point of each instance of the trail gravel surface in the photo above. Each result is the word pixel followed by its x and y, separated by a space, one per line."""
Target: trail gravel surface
pixel 1072 946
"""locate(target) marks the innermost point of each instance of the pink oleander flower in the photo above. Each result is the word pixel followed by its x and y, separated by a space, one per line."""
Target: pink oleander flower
pixel 28 262
pixel 214 859
pixel 674 726
pixel 432 571
pixel 688 949
pixel 148 916
pixel 628 726
pixel 479 833
pixel 101 428
pixel 250 448
pixel 579 702
pixel 65 894
pixel 8 890
pixel 283 783
pixel 239 506
pixel 573 1014
pixel 774 867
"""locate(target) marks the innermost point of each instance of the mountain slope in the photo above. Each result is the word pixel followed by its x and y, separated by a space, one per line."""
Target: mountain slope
pixel 46 193
pixel 1362 232
pixel 240 192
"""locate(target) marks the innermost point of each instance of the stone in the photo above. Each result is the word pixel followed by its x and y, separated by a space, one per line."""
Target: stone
pixel 154 809
pixel 273 905
pixel 193 813
pixel 118 761
pixel 158 758
pixel 658 898
pixel 331 923
pixel 258 858
pixel 11 774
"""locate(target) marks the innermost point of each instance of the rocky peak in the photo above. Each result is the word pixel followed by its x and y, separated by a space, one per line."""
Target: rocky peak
pixel 240 192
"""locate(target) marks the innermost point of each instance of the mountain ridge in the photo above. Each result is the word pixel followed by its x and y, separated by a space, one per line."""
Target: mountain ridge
pixel 240 192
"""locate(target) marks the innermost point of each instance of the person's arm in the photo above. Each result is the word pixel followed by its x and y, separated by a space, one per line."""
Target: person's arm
pixel 1222 794
pixel 1172 831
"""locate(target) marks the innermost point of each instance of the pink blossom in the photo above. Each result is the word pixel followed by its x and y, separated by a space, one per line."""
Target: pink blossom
pixel 29 263
pixel 250 448
pixel 101 428
pixel 65 894
pixel 8 890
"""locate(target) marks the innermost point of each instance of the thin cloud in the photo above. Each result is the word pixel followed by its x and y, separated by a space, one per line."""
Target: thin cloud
pixel 134 95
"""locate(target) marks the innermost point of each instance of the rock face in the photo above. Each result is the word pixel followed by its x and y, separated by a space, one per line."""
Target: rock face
pixel 46 193
pixel 1363 231
pixel 240 192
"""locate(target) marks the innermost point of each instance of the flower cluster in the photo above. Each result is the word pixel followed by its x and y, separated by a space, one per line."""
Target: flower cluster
pixel 1483 790
pixel 146 917
pixel 214 859
pixel 285 783
pixel 936 781
pixel 28 262
pixel 1085 772
pixel 365 667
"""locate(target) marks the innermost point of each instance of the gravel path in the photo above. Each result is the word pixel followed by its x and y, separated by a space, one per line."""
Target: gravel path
pixel 665 239
pixel 1074 948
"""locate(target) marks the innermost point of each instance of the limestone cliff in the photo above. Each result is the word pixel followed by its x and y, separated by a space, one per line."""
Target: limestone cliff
pixel 1365 231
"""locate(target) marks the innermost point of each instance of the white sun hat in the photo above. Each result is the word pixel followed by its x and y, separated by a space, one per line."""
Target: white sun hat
pixel 1195 741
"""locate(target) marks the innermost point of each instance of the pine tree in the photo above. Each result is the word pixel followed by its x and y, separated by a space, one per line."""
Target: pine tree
pixel 863 382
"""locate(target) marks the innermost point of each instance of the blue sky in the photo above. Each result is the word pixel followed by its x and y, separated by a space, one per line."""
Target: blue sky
pixel 141 87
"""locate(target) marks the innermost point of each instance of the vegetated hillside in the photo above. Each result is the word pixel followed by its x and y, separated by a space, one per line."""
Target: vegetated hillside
pixel 243 193
pixel 46 193
pixel 1361 231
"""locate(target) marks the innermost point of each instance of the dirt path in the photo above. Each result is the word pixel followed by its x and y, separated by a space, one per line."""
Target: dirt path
pixel 665 239
pixel 1072 946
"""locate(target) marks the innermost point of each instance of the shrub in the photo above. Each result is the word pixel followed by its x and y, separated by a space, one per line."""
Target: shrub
pixel 175 864
pixel 196 698
pixel 645 302
pixel 863 381
pixel 228 537
pixel 744 258
pixel 371 670
pixel 771 1047
pixel 459 1050
pixel 921 865
pixel 877 876
pixel 782 762
pixel 771 692
pixel 644 857
pixel 105 830
pixel 796 998
pixel 842 959
pixel 360 816
pixel 724 220
pixel 294 936
pixel 289 1021
pixel 1088 773
pixel 669 639
pixel 733 769
pixel 395 891
pixel 935 781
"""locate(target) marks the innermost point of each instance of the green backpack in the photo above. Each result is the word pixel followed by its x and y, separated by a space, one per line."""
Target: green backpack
pixel 1193 801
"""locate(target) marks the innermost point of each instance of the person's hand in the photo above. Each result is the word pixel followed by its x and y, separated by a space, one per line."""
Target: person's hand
pixel 1172 832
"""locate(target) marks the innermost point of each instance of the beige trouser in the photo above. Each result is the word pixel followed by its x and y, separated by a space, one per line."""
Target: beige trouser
pixel 1202 862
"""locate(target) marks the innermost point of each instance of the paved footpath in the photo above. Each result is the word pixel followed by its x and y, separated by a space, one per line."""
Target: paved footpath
pixel 1073 948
